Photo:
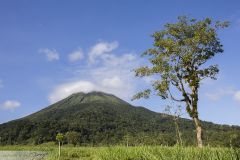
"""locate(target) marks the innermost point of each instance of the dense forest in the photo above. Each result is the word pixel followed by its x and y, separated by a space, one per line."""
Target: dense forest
pixel 104 119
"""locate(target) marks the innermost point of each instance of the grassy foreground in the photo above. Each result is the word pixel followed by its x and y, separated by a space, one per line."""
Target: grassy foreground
pixel 134 153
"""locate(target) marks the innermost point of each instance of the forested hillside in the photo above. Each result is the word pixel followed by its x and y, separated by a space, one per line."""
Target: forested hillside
pixel 104 119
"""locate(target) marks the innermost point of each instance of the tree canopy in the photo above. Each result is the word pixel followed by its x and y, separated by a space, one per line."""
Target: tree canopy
pixel 178 61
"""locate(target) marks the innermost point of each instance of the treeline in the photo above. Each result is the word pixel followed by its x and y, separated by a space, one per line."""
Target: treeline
pixel 143 139
pixel 24 132
pixel 223 139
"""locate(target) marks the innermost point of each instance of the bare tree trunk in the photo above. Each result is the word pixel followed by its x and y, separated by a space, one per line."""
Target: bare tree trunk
pixel 59 149
pixel 198 132
pixel 178 133
pixel 176 130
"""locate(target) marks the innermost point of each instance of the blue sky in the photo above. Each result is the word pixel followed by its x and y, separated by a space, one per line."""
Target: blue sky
pixel 50 49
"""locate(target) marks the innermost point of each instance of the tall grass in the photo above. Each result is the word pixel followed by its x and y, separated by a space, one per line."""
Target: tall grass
pixel 147 153
pixel 134 153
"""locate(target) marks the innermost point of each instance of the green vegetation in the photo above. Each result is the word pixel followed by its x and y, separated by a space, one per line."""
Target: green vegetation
pixel 178 63
pixel 59 138
pixel 72 137
pixel 103 119
pixel 134 153
pixel 147 153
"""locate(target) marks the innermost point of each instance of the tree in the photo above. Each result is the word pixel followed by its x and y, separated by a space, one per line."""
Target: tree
pixel 72 137
pixel 126 139
pixel 178 62
pixel 235 141
pixel 59 138
pixel 176 113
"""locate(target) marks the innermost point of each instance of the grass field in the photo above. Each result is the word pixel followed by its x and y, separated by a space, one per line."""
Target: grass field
pixel 132 153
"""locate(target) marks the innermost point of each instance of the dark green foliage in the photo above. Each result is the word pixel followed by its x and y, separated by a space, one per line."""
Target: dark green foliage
pixel 103 119
pixel 235 140
pixel 72 137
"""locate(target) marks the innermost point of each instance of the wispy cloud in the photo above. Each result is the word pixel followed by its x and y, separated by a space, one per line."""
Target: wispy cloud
pixel 220 93
pixel 237 96
pixel 223 92
pixel 51 54
pixel 76 55
pixel 112 74
pixel 100 49
pixel 11 105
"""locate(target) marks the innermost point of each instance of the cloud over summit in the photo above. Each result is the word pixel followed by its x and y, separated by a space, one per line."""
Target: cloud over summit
pixel 112 74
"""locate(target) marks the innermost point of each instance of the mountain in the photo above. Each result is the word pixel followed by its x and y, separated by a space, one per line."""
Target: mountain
pixel 103 119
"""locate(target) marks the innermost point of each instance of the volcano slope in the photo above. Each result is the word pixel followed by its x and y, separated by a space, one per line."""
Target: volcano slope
pixel 104 119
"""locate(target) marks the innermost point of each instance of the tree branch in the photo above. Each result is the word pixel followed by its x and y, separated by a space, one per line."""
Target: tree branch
pixel 173 98
pixel 185 94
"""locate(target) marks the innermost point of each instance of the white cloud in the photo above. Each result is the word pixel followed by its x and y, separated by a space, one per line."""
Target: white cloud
pixel 66 89
pixel 76 55
pixel 113 74
pixel 109 85
pixel 100 49
pixel 114 82
pixel 223 92
pixel 113 85
pixel 237 96
pixel 220 93
pixel 51 54
pixel 11 105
